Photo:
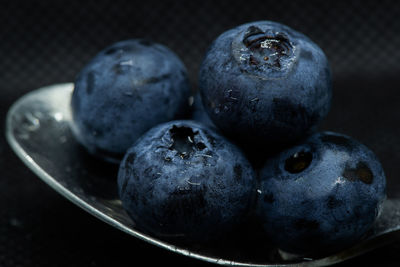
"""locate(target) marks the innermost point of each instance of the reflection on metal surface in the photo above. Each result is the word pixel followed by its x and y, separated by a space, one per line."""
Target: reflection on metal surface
pixel 39 132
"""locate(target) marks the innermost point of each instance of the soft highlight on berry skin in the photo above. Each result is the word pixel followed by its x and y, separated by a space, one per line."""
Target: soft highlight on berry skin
pixel 264 83
pixel 322 195
pixel 184 181
pixel 125 90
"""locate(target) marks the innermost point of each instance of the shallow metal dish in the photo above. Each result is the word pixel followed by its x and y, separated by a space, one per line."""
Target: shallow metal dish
pixel 38 131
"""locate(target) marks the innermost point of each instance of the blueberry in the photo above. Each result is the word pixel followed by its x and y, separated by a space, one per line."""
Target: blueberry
pixel 125 90
pixel 182 180
pixel 322 195
pixel 265 83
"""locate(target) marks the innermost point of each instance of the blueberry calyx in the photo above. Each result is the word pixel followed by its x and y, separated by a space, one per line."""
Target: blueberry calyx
pixel 183 141
pixel 266 47
pixel 298 162
pixel 265 52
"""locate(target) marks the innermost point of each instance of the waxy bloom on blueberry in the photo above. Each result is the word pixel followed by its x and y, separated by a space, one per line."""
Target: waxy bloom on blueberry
pixel 265 83
pixel 321 195
pixel 125 90
pixel 183 180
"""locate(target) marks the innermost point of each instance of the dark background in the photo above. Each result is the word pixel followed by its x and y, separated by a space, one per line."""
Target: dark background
pixel 47 42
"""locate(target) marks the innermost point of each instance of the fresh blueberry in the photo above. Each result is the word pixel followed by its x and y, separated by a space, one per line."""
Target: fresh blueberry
pixel 322 195
pixel 125 90
pixel 182 180
pixel 265 83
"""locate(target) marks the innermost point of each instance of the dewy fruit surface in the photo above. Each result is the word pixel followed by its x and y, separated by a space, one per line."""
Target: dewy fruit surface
pixel 183 180
pixel 265 83
pixel 321 195
pixel 125 90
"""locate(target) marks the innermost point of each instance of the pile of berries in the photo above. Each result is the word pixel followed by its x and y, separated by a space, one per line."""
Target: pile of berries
pixel 247 145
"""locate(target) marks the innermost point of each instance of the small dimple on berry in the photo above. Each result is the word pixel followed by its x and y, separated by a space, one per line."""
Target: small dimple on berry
pixel 298 162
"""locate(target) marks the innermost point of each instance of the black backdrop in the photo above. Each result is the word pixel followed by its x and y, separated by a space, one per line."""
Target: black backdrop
pixel 47 42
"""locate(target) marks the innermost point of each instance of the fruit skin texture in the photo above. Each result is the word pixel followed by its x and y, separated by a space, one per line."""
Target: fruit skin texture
pixel 125 90
pixel 183 181
pixel 326 205
pixel 265 83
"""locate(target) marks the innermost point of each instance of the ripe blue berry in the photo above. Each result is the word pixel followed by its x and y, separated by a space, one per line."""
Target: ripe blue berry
pixel 322 195
pixel 265 83
pixel 125 90
pixel 183 180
